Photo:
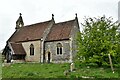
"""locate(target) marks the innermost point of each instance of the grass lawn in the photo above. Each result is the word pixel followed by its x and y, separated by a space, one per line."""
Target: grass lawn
pixel 37 70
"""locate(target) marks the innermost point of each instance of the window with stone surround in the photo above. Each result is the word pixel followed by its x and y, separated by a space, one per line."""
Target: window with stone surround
pixel 59 48
pixel 31 49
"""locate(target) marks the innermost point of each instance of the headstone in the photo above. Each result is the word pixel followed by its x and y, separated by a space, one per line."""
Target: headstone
pixel 66 72
pixel 71 67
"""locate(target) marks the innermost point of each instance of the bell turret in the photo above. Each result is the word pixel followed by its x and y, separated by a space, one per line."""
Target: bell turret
pixel 19 22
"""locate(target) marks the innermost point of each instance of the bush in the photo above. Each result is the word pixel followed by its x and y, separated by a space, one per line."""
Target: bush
pixel 99 38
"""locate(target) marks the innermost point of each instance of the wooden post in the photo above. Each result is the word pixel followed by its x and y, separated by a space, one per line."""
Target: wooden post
pixel 110 60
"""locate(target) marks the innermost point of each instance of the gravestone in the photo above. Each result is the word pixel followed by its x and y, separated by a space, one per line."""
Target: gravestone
pixel 72 67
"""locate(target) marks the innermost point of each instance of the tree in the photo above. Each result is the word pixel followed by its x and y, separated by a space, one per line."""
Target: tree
pixel 100 37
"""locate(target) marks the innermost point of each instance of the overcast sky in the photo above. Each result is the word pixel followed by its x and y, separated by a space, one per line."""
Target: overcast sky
pixel 34 11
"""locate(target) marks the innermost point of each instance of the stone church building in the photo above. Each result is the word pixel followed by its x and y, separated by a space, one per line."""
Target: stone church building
pixel 43 42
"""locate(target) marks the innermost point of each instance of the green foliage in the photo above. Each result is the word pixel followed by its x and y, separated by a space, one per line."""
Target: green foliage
pixel 99 38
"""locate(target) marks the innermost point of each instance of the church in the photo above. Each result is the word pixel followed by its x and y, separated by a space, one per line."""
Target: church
pixel 43 42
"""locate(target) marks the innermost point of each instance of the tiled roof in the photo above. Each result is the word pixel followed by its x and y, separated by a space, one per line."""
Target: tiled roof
pixel 30 32
pixel 18 48
pixel 60 31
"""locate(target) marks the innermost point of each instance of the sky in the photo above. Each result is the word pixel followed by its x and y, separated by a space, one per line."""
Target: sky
pixel 34 11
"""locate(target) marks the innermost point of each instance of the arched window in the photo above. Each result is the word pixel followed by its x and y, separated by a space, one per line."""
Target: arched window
pixel 59 48
pixel 31 49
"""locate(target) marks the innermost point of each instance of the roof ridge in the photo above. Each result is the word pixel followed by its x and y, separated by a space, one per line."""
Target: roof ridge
pixel 38 23
pixel 66 21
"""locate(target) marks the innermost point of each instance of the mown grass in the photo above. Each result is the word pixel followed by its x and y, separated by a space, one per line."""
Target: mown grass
pixel 93 71
pixel 37 70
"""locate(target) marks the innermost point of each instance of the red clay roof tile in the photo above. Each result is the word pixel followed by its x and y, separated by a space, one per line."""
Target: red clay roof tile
pixel 30 32
pixel 18 48
pixel 60 31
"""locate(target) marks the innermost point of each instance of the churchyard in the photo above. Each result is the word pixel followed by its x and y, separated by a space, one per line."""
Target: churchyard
pixel 39 70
